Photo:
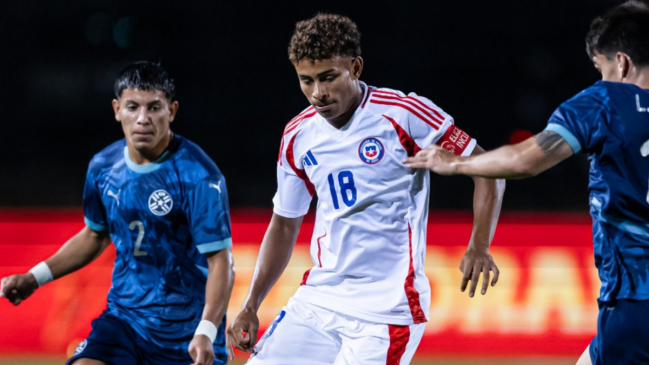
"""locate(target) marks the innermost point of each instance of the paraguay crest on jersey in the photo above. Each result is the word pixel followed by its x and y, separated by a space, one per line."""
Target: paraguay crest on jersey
pixel 160 202
pixel 371 150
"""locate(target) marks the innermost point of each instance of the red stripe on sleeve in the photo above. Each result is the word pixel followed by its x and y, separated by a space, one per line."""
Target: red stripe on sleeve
pixel 297 122
pixel 300 173
pixel 399 337
pixel 408 108
pixel 416 104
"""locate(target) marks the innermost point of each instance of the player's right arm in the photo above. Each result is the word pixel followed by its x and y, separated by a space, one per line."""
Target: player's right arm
pixel 76 253
pixel 290 204
pixel 525 159
pixel 274 255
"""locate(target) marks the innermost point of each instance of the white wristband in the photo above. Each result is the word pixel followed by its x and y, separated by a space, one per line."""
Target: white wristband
pixel 42 273
pixel 206 328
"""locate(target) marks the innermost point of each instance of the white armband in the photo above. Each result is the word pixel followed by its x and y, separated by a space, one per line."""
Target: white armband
pixel 42 273
pixel 206 328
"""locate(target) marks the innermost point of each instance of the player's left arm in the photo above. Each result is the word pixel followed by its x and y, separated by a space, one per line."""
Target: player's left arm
pixel 487 201
pixel 522 160
pixel 220 280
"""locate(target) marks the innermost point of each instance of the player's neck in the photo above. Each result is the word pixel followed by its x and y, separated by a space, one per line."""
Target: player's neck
pixel 145 157
pixel 340 121
pixel 642 79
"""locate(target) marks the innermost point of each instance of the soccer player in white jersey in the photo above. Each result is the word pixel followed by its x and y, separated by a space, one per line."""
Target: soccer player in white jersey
pixel 366 299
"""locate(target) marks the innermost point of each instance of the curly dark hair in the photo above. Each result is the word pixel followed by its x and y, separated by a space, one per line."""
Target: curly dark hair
pixel 324 36
pixel 625 28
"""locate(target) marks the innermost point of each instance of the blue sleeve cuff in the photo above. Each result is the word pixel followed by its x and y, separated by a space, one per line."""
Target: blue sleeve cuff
pixel 214 246
pixel 94 226
pixel 566 134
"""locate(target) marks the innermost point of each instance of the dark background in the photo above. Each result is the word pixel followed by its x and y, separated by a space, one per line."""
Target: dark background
pixel 495 66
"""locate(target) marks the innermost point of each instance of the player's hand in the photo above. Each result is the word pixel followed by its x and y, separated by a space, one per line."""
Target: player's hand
pixel 17 288
pixel 201 350
pixel 242 333
pixel 435 158
pixel 473 263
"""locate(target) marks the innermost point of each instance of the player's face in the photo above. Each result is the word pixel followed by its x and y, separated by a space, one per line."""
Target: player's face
pixel 332 86
pixel 145 117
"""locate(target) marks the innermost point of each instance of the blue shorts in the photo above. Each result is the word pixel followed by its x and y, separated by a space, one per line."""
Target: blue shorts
pixel 113 341
pixel 622 333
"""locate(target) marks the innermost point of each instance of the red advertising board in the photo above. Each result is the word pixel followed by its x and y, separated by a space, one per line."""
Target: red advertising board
pixel 544 302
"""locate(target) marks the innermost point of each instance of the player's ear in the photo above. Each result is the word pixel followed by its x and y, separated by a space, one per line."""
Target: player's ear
pixel 116 109
pixel 624 64
pixel 357 67
pixel 173 109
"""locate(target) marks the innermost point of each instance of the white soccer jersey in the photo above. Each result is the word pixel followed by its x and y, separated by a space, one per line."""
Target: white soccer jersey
pixel 369 238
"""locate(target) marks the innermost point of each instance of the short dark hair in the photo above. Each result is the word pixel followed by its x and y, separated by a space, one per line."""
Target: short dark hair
pixel 625 28
pixel 324 36
pixel 145 75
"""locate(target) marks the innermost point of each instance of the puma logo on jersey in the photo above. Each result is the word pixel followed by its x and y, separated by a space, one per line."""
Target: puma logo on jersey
pixel 116 196
pixel 215 186
pixel 309 159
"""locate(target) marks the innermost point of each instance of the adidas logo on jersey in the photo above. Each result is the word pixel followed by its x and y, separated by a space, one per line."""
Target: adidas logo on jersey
pixel 309 159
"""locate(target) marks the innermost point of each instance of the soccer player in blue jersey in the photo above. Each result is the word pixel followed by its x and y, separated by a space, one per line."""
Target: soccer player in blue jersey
pixel 163 202
pixel 609 121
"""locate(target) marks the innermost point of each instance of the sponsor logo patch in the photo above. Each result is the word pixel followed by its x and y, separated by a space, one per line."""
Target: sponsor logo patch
pixel 371 151
pixel 160 202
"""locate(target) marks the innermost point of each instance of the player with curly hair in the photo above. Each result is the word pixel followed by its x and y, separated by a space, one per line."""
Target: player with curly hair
pixel 366 299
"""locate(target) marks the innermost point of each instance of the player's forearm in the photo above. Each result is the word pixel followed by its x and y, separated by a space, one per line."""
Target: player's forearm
pixel 519 161
pixel 77 252
pixel 274 255
pixel 487 201
pixel 220 281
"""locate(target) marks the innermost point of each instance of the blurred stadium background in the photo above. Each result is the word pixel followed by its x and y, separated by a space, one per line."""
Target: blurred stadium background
pixel 500 68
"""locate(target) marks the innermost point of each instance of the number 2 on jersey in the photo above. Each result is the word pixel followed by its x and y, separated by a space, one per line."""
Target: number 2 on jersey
pixel 140 236
pixel 644 151
pixel 347 188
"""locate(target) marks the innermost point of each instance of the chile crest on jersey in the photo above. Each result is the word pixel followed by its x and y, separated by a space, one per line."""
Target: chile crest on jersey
pixel 371 151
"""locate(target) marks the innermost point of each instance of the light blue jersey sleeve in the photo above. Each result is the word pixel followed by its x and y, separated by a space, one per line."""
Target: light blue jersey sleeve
pixel 209 215
pixel 93 208
pixel 578 119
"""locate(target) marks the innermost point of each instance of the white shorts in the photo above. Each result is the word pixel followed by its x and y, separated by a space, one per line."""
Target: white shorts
pixel 304 334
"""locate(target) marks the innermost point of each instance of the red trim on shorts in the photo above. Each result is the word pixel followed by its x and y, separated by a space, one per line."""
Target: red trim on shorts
pixel 399 337
pixel 412 294
pixel 407 142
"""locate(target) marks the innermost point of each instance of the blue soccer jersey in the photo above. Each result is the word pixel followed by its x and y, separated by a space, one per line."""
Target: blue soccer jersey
pixel 610 122
pixel 162 217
